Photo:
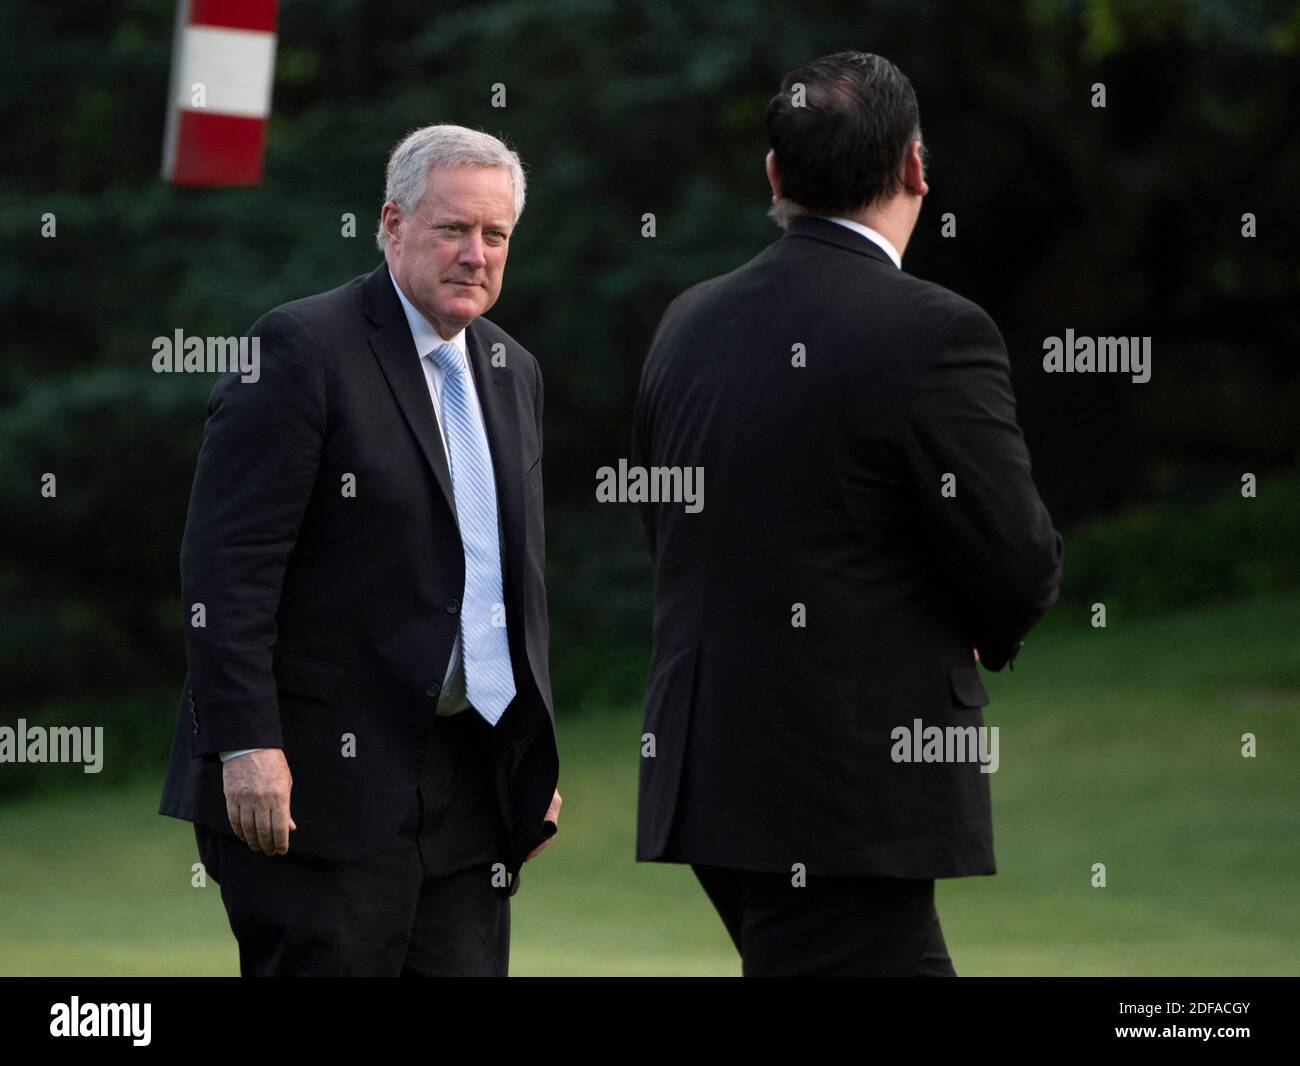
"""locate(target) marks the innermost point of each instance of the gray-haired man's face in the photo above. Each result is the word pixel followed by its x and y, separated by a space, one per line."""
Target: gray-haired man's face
pixel 449 255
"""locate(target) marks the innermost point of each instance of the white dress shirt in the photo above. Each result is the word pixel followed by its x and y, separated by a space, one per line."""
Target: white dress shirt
pixel 871 235
pixel 452 699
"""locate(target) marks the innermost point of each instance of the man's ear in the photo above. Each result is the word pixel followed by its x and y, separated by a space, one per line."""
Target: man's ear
pixel 773 178
pixel 914 171
pixel 390 218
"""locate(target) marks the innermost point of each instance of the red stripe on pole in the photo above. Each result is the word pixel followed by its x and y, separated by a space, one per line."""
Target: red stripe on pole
pixel 234 14
pixel 218 149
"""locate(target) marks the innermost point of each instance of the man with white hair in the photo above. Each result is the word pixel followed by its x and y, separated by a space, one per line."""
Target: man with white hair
pixel 366 738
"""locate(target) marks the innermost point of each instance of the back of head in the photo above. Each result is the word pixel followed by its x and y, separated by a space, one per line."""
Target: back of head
pixel 839 130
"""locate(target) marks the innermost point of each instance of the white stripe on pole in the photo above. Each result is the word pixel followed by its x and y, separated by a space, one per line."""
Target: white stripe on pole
pixel 235 68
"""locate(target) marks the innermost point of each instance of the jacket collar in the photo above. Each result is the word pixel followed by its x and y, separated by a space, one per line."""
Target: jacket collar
pixel 828 232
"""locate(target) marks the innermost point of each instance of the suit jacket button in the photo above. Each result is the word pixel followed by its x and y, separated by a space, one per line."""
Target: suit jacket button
pixel 432 690
pixel 453 606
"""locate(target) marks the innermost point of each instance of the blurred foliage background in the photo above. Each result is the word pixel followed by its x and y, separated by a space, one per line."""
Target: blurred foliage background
pixel 1125 220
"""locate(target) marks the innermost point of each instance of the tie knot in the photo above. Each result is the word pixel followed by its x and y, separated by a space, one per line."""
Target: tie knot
pixel 447 356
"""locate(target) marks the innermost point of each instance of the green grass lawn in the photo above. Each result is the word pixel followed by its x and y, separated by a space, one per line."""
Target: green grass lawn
pixel 1119 746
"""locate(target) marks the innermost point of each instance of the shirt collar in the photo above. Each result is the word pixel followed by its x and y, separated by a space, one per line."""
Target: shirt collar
pixel 425 336
pixel 871 235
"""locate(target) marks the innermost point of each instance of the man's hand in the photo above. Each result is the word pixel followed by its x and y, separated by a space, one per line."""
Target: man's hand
pixel 977 654
pixel 257 787
pixel 552 815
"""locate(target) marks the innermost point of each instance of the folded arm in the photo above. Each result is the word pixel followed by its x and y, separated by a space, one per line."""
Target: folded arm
pixel 990 529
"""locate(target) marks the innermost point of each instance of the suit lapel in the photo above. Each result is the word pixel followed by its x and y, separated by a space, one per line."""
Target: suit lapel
pixel 495 387
pixel 394 348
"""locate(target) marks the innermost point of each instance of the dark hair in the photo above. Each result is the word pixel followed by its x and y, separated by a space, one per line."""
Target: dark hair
pixel 844 147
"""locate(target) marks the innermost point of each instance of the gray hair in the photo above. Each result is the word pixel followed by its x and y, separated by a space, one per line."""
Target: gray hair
pixel 444 146
pixel 782 211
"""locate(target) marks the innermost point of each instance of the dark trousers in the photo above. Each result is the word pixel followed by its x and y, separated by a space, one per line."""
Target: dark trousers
pixel 426 906
pixel 832 927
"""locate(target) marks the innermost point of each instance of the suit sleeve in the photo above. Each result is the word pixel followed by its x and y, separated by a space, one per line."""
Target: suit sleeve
pixel 255 474
pixel 641 457
pixel 538 406
pixel 991 531
pixel 642 454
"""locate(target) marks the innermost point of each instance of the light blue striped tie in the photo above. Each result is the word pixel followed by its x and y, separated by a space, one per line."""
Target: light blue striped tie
pixel 485 649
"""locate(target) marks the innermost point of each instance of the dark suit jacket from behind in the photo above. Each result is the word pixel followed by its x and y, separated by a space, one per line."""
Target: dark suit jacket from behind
pixel 824 489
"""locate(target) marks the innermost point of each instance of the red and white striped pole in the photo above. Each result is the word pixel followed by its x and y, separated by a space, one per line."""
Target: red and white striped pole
pixel 223 64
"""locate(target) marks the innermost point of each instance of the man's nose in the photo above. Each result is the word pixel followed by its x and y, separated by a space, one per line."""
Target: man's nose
pixel 471 250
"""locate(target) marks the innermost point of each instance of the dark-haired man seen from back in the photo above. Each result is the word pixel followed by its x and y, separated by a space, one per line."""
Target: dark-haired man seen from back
pixel 871 529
